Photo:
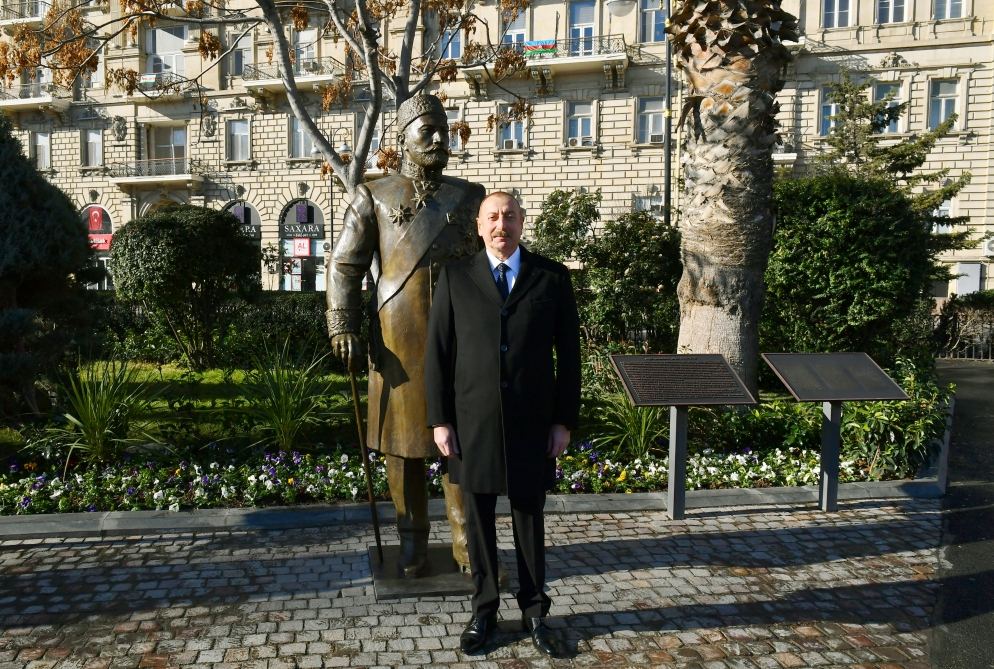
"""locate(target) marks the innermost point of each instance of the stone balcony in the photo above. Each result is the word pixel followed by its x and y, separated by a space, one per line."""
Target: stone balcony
pixel 547 59
pixel 30 13
pixel 158 173
pixel 308 73
pixel 35 95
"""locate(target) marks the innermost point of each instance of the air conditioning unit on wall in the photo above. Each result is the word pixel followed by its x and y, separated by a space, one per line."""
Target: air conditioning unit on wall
pixel 987 247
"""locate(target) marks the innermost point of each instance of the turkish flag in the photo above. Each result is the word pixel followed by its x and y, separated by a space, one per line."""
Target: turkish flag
pixel 96 215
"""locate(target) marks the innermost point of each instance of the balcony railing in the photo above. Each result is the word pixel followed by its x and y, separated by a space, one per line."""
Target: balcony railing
pixel 159 81
pixel 158 167
pixel 308 67
pixel 32 10
pixel 34 89
pixel 596 45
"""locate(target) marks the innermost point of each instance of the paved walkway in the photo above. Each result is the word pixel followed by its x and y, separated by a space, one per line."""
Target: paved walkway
pixel 767 586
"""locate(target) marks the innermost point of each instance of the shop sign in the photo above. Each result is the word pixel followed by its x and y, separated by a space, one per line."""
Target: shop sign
pixel 100 242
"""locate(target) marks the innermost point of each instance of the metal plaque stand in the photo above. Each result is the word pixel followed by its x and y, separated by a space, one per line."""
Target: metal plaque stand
pixel 679 381
pixel 831 378
pixel 831 440
pixel 676 495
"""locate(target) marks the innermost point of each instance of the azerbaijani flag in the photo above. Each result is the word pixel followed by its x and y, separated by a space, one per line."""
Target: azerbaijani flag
pixel 540 47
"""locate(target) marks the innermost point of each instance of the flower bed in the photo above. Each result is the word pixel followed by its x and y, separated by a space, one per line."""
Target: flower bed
pixel 280 478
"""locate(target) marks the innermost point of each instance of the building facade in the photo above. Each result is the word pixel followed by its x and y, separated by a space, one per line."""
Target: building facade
pixel 936 55
pixel 595 75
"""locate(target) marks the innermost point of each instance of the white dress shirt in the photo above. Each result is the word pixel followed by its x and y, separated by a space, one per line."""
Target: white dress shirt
pixel 513 264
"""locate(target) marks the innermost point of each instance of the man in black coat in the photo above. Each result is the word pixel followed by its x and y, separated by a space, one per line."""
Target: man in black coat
pixel 502 374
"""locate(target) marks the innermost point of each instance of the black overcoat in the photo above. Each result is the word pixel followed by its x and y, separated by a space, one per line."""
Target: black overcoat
pixel 503 372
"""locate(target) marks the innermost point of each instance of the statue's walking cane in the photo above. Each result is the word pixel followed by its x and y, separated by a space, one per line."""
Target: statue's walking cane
pixel 365 463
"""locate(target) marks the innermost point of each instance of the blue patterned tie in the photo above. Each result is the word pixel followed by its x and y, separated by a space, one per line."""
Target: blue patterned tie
pixel 502 286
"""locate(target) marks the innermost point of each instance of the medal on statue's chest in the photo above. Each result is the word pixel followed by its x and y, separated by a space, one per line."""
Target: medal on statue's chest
pixel 423 192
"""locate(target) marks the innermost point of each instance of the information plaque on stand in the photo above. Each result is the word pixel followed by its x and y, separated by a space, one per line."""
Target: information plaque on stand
pixel 679 381
pixel 832 378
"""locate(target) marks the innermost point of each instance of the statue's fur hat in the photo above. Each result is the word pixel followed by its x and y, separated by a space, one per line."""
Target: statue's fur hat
pixel 415 106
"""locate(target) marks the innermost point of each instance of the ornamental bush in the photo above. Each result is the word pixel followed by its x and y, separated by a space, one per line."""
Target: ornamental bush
pixel 628 292
pixel 190 267
pixel 44 256
pixel 851 261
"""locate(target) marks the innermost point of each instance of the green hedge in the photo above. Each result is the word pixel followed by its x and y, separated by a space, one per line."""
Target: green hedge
pixel 127 332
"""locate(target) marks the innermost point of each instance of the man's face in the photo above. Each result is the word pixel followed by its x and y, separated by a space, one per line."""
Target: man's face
pixel 426 141
pixel 500 223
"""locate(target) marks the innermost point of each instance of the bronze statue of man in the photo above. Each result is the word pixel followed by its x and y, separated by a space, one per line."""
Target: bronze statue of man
pixel 402 229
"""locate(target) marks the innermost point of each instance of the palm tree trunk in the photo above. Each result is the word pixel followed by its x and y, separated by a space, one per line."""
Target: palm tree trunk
pixel 732 55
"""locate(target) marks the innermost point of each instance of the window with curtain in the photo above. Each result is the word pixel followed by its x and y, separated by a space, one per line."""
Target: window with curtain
pixel 580 124
pixel 510 135
pixel 301 145
pixel 651 112
pixel 941 101
pixel 948 9
pixel 41 149
pixel 238 140
pixel 93 148
pixel 455 141
pixel 240 56
pixel 514 29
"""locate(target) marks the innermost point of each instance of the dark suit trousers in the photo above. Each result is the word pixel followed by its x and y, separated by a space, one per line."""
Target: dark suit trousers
pixel 529 547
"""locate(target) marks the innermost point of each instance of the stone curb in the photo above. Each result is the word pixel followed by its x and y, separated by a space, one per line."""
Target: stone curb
pixel 119 523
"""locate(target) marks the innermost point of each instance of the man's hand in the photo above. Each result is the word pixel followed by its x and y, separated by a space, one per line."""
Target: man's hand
pixel 558 440
pixel 445 439
pixel 347 348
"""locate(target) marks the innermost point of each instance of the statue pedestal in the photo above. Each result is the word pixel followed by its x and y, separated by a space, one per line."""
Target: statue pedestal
pixel 442 576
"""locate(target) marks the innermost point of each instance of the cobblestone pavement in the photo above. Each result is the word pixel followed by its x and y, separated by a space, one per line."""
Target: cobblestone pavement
pixel 763 587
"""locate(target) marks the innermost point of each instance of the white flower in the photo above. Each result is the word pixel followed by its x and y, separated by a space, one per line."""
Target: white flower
pixel 269 484
pixel 350 475
pixel 57 493
pixel 174 506
pixel 158 494
pixel 344 458
pixel 252 479
pixel 199 493
pixel 225 491
pixel 354 490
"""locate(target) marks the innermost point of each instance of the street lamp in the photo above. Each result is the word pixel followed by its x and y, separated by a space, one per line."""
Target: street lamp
pixel 668 126
pixel 620 7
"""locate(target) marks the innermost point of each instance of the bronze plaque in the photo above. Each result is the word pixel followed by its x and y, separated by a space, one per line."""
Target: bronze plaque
pixel 833 377
pixel 691 379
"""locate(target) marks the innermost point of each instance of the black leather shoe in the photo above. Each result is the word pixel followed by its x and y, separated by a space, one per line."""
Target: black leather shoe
pixel 542 637
pixel 477 632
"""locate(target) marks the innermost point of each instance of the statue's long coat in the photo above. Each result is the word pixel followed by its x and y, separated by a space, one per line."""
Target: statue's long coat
pixel 404 247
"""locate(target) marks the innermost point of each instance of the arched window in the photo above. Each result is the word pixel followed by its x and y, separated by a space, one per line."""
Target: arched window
pixel 248 216
pixel 303 246
pixel 99 227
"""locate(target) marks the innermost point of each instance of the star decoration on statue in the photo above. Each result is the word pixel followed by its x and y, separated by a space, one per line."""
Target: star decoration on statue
pixel 422 191
pixel 400 215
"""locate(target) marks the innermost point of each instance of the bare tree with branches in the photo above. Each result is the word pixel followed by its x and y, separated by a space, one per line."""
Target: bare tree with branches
pixel 393 64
